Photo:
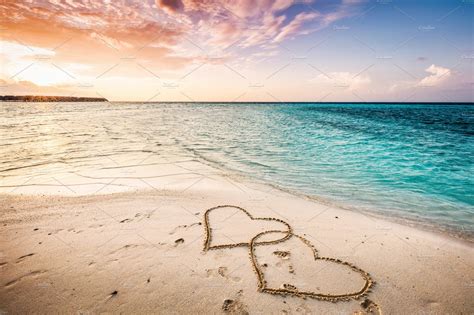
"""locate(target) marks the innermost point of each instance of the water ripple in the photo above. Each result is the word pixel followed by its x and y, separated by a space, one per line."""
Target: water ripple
pixel 411 161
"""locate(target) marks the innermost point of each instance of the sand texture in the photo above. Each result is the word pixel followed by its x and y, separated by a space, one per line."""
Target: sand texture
pixel 157 250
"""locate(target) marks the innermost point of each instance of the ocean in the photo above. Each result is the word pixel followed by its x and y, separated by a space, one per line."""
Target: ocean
pixel 412 162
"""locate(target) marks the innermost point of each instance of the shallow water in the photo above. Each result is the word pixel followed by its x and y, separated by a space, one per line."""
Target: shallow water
pixel 409 161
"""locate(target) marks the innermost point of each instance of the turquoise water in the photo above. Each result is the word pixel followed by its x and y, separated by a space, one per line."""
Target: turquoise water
pixel 409 161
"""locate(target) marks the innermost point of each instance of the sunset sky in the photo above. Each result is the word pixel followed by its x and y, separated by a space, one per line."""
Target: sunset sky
pixel 242 50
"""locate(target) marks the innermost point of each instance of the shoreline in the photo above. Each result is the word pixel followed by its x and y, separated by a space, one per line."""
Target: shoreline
pixel 142 251
pixel 423 224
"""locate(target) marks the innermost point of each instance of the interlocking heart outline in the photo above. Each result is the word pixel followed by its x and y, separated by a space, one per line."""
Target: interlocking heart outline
pixel 290 290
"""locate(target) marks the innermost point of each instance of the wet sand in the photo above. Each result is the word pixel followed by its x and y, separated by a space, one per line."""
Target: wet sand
pixel 143 251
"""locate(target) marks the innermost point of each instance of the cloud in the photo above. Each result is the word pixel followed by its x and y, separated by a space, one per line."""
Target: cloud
pixel 11 50
pixel 47 22
pixel 129 25
pixel 82 40
pixel 294 27
pixel 25 87
pixel 252 23
pixel 437 76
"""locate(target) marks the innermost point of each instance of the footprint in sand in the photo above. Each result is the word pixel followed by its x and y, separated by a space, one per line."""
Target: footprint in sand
pixel 369 308
pixel 21 258
pixel 304 309
pixel 285 255
pixel 184 226
pixel 147 215
pixel 235 305
pixel 125 247
pixel 291 269
pixel 55 231
pixel 30 274
pixel 178 241
pixel 221 272
pixel 282 254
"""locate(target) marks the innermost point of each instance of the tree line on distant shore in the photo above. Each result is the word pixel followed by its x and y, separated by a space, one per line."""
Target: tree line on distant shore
pixel 43 98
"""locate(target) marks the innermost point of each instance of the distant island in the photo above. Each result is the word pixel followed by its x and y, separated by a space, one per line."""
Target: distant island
pixel 43 98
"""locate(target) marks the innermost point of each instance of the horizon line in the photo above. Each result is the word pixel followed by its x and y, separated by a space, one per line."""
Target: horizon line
pixel 105 100
pixel 246 102
pixel 289 102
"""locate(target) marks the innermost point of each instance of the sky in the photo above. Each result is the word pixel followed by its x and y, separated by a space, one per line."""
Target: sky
pixel 239 50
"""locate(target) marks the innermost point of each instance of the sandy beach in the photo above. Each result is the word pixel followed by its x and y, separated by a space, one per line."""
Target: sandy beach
pixel 142 251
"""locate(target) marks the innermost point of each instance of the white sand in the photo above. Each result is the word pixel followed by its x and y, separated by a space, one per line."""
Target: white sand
pixel 68 254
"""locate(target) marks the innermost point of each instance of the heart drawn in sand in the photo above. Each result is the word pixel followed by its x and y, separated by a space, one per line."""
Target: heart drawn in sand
pixel 208 230
pixel 290 289
pixel 287 288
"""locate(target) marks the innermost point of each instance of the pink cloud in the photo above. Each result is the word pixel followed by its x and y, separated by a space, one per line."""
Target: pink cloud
pixel 127 23
pixel 251 22
pixel 159 30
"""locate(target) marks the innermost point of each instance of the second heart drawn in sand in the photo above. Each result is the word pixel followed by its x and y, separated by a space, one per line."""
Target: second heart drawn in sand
pixel 291 289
